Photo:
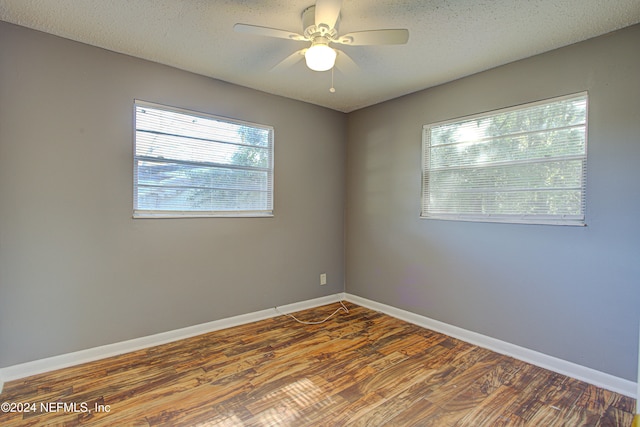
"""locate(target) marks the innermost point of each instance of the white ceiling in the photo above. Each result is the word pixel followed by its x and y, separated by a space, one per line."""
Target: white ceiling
pixel 448 39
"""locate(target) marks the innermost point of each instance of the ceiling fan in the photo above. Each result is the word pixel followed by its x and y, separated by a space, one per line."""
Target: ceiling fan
pixel 320 27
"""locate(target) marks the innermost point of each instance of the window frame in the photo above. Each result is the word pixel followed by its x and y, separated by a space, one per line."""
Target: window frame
pixel 521 218
pixel 139 213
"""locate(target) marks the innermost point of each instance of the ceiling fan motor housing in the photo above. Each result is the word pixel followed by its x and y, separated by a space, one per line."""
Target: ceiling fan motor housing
pixel 311 30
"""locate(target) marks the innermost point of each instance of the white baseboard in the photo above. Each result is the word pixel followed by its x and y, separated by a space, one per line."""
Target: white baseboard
pixel 591 376
pixel 570 369
pixel 48 364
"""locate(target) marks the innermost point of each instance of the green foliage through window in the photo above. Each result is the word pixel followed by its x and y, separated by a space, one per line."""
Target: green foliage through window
pixel 191 164
pixel 524 164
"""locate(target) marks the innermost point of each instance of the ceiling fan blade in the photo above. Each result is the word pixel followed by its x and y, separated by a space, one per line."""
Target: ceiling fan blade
pixel 345 64
pixel 267 32
pixel 372 37
pixel 327 12
pixel 289 61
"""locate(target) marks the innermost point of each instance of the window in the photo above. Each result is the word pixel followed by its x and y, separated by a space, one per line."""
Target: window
pixel 525 164
pixel 193 164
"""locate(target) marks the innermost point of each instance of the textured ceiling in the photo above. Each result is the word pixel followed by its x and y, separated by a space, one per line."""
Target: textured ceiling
pixel 448 39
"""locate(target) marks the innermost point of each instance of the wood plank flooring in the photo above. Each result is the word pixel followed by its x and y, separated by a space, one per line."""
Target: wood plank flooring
pixel 363 368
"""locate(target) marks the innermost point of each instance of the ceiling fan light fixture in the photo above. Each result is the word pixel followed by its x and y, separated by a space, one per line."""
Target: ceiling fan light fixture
pixel 320 57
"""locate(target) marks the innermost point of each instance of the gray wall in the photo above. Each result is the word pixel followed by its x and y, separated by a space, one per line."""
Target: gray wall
pixel 76 271
pixel 570 292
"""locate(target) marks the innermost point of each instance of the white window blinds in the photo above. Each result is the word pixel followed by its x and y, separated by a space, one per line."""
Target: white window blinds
pixel 192 164
pixel 523 164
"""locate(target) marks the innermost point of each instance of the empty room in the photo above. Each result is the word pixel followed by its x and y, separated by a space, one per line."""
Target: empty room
pixel 340 213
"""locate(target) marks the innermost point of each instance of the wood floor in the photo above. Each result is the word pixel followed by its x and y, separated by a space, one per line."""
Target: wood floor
pixel 358 369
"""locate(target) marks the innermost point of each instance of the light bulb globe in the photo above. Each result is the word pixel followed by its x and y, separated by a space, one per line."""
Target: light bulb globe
pixel 320 57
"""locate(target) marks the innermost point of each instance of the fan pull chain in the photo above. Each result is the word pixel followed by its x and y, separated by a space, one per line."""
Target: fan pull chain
pixel 332 89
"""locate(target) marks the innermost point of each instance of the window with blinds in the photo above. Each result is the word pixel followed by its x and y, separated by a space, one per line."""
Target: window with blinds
pixel 193 164
pixel 525 164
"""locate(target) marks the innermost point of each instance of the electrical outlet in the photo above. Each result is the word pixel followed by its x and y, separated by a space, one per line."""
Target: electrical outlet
pixel 323 279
